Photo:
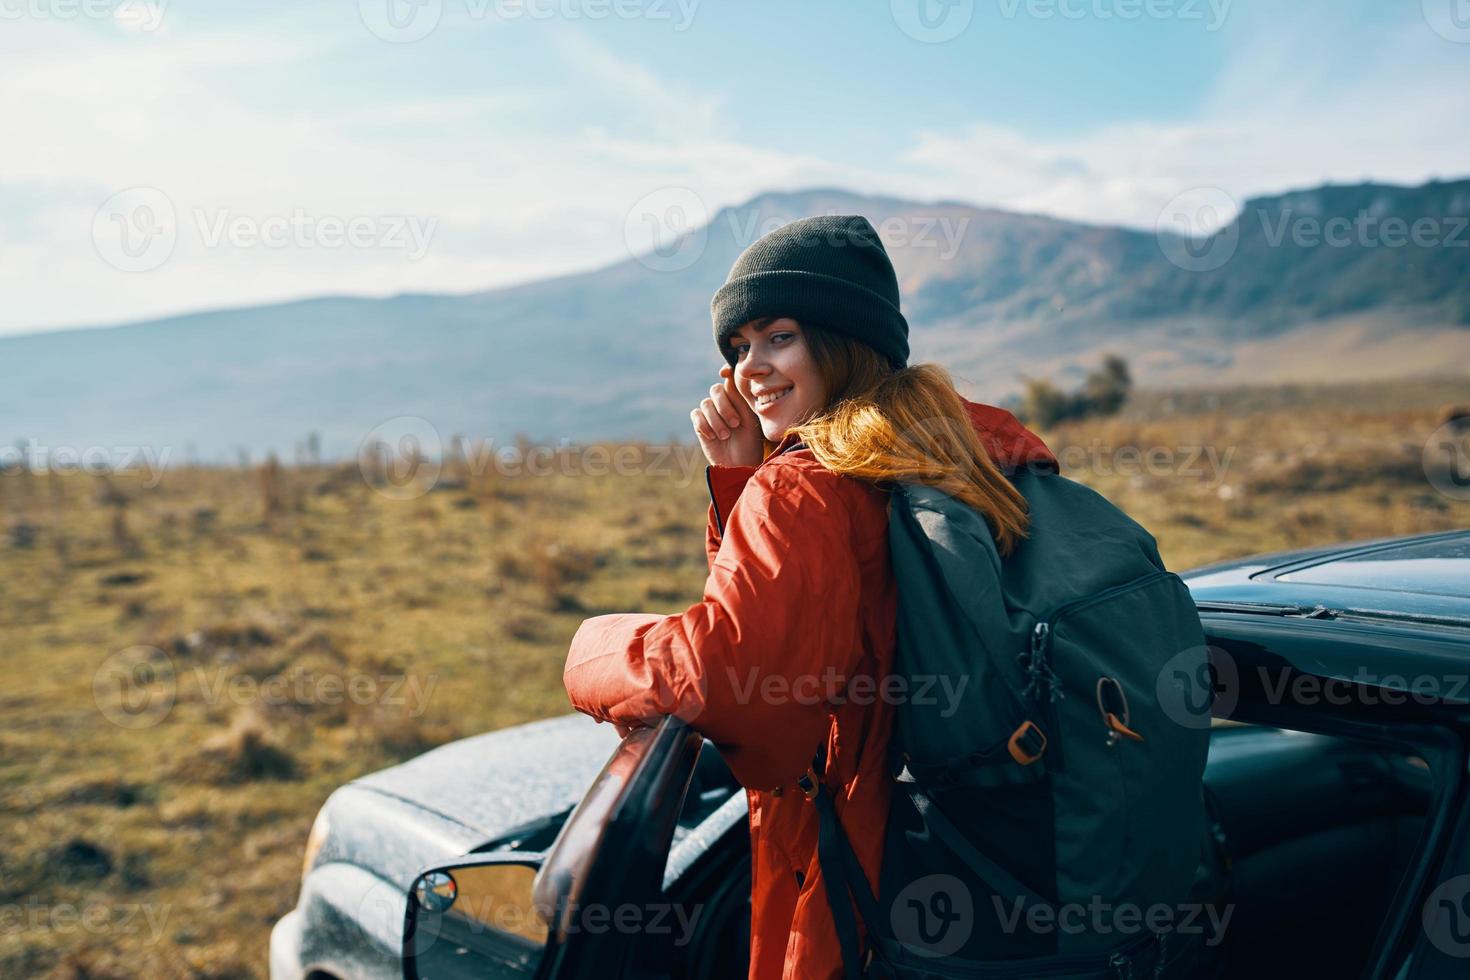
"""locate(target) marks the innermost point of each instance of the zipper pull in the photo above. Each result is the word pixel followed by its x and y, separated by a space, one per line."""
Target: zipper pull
pixel 1038 671
pixel 1112 704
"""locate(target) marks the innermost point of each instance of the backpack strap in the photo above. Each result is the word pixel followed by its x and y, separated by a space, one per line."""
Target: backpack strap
pixel 842 873
pixel 999 879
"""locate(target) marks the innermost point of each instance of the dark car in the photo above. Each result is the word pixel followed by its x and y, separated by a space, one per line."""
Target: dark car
pixel 1336 781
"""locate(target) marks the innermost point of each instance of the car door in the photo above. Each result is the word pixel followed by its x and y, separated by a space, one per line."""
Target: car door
pixel 595 907
pixel 603 878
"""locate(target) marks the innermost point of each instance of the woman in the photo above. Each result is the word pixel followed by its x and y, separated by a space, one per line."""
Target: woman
pixel 787 651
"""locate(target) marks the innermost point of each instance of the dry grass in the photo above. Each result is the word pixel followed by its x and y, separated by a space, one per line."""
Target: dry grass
pixel 251 589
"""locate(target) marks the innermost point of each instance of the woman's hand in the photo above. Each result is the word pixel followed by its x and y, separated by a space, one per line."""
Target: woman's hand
pixel 729 431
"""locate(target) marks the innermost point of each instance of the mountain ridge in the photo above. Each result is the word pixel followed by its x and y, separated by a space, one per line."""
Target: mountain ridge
pixel 991 294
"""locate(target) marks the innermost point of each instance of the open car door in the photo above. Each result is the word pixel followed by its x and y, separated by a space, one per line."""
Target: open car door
pixel 591 908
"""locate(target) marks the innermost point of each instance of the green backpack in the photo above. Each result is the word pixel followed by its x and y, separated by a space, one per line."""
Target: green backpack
pixel 1047 815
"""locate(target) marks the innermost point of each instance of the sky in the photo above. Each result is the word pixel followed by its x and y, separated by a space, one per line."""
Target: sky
pixel 158 157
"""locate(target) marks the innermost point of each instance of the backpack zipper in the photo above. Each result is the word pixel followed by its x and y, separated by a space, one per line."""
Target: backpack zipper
pixel 1042 684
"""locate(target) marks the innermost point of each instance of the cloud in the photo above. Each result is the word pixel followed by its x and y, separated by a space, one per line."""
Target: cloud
pixel 1274 121
pixel 539 179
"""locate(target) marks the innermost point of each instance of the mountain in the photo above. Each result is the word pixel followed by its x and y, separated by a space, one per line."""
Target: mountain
pixel 625 351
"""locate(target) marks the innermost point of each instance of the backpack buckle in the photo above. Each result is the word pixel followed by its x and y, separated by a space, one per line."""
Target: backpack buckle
pixel 1027 743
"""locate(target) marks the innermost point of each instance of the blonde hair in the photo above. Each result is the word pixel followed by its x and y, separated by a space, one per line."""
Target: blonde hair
pixel 907 424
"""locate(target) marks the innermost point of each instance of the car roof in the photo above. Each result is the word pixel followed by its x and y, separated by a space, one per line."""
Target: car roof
pixel 1421 578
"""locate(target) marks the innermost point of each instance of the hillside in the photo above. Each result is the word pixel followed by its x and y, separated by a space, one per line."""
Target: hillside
pixel 624 351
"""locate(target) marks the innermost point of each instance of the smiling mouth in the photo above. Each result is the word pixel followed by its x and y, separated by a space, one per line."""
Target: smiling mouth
pixel 765 401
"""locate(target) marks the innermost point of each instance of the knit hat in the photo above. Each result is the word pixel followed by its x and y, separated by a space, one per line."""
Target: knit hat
pixel 831 270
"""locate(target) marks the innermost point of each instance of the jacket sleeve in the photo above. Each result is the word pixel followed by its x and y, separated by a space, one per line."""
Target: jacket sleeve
pixel 725 484
pixel 755 664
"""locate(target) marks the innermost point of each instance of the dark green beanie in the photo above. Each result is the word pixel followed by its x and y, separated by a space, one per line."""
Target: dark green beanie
pixel 829 270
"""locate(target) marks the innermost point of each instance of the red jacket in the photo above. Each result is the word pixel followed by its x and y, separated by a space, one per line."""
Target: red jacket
pixel 787 649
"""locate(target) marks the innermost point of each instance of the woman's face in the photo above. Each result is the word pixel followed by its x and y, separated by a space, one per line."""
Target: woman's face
pixel 776 375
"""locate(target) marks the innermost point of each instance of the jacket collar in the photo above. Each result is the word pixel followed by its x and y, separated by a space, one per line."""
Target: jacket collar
pixel 788 441
pixel 1010 443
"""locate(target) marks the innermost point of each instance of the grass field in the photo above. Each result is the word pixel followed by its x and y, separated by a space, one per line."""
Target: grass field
pixel 310 628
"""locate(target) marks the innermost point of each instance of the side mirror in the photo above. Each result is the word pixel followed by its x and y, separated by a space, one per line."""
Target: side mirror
pixel 473 918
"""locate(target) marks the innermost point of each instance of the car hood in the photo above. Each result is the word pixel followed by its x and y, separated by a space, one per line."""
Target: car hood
pixel 1258 580
pixel 464 795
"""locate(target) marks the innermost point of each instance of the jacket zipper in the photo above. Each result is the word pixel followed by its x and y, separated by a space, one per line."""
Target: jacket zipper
pixel 710 486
